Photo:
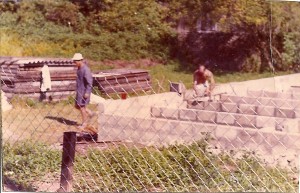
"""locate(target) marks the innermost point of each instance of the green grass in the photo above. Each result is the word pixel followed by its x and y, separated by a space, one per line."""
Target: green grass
pixel 166 73
pixel 162 75
pixel 27 162
pixel 176 168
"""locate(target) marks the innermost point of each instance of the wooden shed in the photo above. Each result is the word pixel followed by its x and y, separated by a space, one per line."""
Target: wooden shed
pixel 22 77
pixel 122 81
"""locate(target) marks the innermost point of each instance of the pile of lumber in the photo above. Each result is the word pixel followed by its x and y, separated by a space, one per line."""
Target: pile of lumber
pixel 22 77
pixel 122 81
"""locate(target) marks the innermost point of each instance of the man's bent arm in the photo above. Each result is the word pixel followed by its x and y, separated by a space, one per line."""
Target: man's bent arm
pixel 195 79
pixel 212 82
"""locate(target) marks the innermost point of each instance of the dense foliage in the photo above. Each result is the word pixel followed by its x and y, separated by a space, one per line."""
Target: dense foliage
pixel 135 29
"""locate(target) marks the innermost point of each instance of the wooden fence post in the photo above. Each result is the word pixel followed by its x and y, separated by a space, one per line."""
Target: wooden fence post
pixel 66 178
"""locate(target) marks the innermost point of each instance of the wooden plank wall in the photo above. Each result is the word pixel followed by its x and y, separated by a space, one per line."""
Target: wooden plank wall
pixel 22 77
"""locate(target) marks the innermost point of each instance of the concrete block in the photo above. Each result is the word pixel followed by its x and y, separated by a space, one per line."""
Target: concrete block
pixel 126 123
pixel 254 93
pixel 280 103
pixel 188 115
pixel 109 134
pixel 230 98
pixel 225 118
pixel 282 95
pixel 161 126
pixel 285 113
pixel 170 113
pixel 177 128
pixel 146 124
pixel 249 100
pixel 227 133
pixel 266 102
pixel 155 112
pixel 206 116
pixel 240 99
pixel 247 109
pixel 229 107
pixel 264 122
pixel 112 121
pixel 211 106
pixel 269 94
pixel 265 111
pixel 102 120
pixel 287 125
pixel 148 138
pixel 245 121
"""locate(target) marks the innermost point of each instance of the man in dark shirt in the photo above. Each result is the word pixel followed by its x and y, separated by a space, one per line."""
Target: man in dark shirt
pixel 84 84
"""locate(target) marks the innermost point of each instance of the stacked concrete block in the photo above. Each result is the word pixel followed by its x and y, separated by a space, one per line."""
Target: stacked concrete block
pixel 280 103
pixel 285 113
pixel 272 110
pixel 170 113
pixel 207 116
pixel 287 124
pixel 164 132
pixel 188 115
pixel 212 106
pixel 265 111
pixel 225 118
pixel 229 107
pixel 247 109
pixel 246 121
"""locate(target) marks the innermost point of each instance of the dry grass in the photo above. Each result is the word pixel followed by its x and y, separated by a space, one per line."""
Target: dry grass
pixel 44 122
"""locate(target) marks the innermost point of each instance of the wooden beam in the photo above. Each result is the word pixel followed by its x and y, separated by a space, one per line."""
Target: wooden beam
pixel 68 155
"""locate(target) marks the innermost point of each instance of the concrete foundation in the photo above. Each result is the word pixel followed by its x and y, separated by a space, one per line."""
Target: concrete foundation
pixel 164 132
pixel 265 121
pixel 225 118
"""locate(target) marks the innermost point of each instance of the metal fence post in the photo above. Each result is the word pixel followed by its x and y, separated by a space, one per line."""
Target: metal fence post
pixel 66 178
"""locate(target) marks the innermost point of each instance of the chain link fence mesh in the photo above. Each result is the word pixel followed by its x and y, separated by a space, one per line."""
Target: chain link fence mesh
pixel 146 138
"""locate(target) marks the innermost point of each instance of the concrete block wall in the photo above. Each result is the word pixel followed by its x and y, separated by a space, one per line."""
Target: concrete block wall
pixel 279 103
pixel 164 132
pixel 248 109
pixel 226 118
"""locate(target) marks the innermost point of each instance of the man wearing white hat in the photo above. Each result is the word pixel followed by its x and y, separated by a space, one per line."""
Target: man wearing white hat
pixel 84 84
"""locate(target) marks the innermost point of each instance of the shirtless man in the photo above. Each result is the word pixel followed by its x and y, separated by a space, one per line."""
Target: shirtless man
pixel 204 82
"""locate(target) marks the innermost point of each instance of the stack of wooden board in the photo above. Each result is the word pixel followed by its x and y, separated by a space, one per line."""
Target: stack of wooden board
pixel 122 81
pixel 22 77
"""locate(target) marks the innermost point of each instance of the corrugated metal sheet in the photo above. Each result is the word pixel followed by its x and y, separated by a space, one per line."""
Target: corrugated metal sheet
pixel 30 61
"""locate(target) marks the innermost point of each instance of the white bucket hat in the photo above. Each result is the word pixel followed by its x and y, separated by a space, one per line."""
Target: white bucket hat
pixel 77 56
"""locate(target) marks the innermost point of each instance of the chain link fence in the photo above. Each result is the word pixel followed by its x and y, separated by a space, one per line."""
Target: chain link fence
pixel 245 138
